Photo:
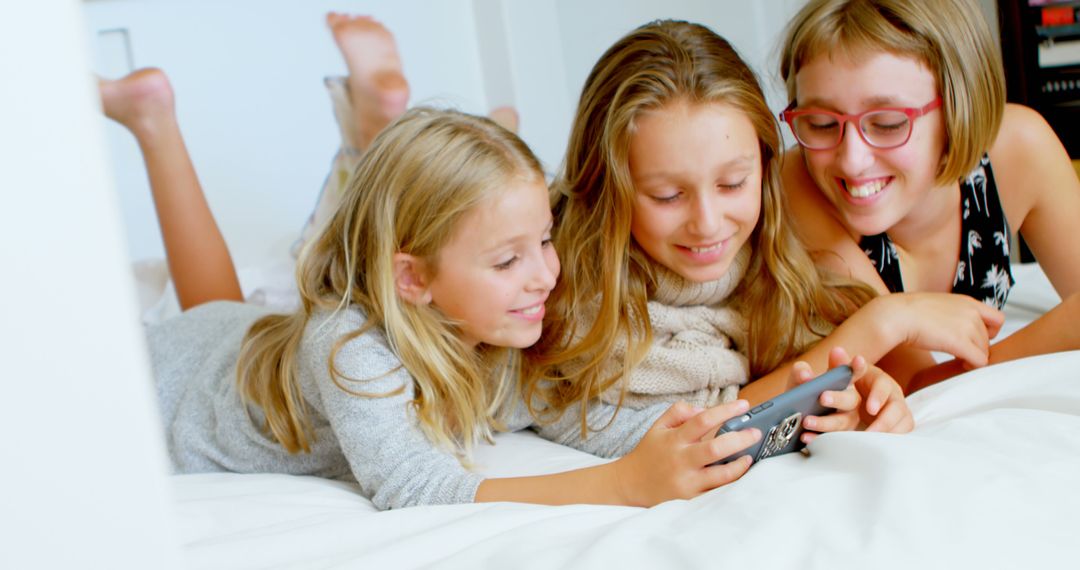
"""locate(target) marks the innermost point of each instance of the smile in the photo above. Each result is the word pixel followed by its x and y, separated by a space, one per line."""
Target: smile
pixel 865 189
pixel 706 249
pixel 531 313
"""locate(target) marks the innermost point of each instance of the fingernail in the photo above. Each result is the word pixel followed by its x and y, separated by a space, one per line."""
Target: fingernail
pixel 811 423
pixel 827 399
pixel 873 406
pixel 742 405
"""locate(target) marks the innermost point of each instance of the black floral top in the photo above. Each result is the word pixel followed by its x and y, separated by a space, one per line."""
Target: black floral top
pixel 983 270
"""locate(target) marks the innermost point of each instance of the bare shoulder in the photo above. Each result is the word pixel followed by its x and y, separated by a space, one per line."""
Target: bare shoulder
pixel 1029 160
pixel 1023 131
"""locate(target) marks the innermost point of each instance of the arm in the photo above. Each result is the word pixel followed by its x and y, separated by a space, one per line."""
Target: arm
pixel 397 466
pixel 920 322
pixel 673 460
pixel 1040 191
pixel 1055 331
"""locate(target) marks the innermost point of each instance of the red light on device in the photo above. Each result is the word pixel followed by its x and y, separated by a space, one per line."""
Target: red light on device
pixel 1058 16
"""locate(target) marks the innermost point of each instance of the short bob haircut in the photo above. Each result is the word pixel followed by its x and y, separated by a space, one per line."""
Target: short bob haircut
pixel 950 37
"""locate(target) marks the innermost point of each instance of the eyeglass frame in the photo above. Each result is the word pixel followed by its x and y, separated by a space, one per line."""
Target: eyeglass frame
pixel 790 113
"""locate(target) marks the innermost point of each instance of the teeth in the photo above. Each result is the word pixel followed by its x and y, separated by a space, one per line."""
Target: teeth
pixel 531 310
pixel 864 190
pixel 706 249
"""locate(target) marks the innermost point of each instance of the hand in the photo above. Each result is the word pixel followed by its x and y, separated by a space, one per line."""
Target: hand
pixel 674 459
pixel 886 409
pixel 845 402
pixel 942 322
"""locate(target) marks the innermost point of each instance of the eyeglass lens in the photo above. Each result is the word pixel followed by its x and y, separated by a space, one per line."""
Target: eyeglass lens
pixel 882 129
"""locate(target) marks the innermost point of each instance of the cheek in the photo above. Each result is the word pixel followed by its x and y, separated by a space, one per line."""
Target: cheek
pixel 552 260
pixel 817 162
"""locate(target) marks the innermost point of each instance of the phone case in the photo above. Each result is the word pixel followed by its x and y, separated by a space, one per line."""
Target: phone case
pixel 780 419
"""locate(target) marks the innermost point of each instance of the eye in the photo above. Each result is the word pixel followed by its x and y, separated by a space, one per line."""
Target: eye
pixel 665 199
pixel 506 264
pixel 819 122
pixel 734 186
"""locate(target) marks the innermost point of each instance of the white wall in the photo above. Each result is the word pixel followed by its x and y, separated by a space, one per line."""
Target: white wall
pixel 251 102
pixel 248 76
pixel 83 482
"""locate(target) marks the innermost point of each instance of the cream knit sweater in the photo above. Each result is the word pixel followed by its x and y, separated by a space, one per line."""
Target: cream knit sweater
pixel 698 342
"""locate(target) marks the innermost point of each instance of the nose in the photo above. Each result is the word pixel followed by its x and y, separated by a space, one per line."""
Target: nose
pixel 854 155
pixel 546 272
pixel 705 213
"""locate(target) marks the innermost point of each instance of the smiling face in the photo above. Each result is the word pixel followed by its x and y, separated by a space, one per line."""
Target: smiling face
pixel 494 275
pixel 873 189
pixel 696 170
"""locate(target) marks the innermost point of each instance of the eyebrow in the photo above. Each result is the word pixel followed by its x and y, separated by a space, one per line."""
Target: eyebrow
pixel 869 103
pixel 741 161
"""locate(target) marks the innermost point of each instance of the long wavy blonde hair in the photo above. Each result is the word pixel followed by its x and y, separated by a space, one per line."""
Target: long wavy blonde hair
pixel 659 64
pixel 416 182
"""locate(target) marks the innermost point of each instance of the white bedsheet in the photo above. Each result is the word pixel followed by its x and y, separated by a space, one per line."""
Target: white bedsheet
pixel 989 479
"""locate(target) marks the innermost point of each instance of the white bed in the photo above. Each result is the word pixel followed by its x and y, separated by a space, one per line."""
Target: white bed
pixel 990 478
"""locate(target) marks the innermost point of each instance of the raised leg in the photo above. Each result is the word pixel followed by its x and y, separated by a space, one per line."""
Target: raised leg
pixel 198 258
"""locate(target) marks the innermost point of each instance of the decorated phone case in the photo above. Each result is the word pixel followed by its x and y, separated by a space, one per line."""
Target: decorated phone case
pixel 780 419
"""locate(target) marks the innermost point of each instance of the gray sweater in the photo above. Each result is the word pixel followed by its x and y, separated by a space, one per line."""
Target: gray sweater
pixel 374 441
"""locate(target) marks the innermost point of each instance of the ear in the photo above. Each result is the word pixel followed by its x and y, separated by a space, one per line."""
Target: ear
pixel 410 279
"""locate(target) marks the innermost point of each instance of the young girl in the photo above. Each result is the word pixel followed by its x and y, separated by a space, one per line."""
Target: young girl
pixel 906 198
pixel 415 299
pixel 687 277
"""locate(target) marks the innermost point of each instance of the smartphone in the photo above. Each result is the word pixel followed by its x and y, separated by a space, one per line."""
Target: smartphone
pixel 780 419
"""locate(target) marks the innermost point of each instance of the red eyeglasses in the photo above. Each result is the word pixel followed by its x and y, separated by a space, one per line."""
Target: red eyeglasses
pixel 889 127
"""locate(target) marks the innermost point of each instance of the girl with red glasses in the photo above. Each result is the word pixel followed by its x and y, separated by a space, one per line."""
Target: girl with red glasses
pixel 912 173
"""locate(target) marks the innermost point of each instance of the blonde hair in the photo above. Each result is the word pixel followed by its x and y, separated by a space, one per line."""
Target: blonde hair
pixel 659 64
pixel 420 176
pixel 950 37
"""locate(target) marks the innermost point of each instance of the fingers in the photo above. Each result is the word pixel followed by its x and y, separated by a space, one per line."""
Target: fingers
pixel 895 417
pixel 841 421
pixel 677 415
pixel 800 373
pixel 716 475
pixel 992 318
pixel 723 446
pixel 709 420
pixel 842 401
pixel 838 357
pixel 882 389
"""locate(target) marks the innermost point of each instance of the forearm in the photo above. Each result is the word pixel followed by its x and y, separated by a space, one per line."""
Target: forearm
pixel 591 485
pixel 1054 331
pixel 863 334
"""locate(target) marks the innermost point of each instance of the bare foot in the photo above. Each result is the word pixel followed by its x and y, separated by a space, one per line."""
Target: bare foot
pixel 378 89
pixel 505 117
pixel 140 100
